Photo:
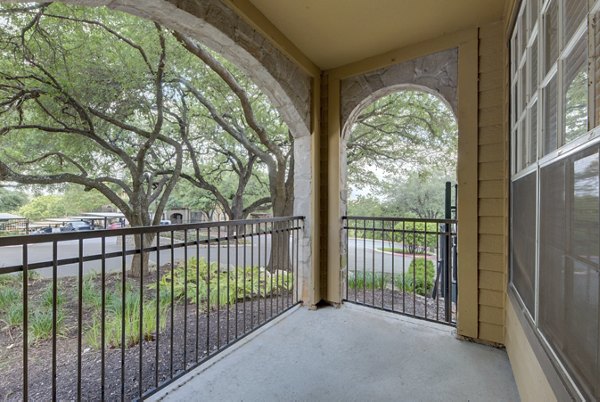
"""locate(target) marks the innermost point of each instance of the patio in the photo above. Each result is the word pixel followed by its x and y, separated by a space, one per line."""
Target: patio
pixel 351 353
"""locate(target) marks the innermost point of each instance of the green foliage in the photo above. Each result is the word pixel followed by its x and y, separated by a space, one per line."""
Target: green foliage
pixel 403 132
pixel 414 279
pixel 11 201
pixel 366 280
pixel 14 315
pixel 225 287
pixel 47 297
pixel 91 295
pixel 130 312
pixel 8 297
pixel 40 324
pixel 74 201
pixel 44 206
pixel 417 237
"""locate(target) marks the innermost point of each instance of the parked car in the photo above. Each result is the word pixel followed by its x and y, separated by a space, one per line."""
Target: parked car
pixel 45 230
pixel 165 222
pixel 115 225
pixel 76 226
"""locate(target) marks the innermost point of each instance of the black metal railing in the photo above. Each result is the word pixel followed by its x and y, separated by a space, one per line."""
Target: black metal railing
pixel 402 265
pixel 119 314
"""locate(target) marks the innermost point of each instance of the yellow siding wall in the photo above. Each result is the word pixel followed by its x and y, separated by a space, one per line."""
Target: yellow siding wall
pixel 324 185
pixel 493 179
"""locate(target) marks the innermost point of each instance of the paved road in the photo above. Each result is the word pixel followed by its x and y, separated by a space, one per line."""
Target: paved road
pixel 248 254
pixel 364 254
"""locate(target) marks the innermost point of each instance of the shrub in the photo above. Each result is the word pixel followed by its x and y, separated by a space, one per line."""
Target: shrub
pixel 48 297
pixel 14 315
pixel 415 234
pixel 40 324
pixel 414 279
pixel 225 287
pixel 131 314
pixel 366 280
pixel 8 297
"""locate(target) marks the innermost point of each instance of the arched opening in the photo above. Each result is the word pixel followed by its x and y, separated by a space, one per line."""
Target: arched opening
pixel 399 157
pixel 176 218
pixel 162 96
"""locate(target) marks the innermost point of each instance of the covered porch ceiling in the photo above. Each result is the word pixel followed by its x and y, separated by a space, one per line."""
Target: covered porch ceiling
pixel 335 33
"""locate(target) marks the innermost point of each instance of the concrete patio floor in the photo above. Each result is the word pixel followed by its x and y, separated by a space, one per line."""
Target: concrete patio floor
pixel 350 354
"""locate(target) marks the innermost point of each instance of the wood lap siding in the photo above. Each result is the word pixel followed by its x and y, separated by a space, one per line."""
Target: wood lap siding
pixel 492 176
pixel 597 54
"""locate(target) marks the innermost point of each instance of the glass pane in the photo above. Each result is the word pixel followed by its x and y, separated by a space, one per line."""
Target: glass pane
pixel 533 11
pixel 533 133
pixel 597 90
pixel 524 36
pixel 550 113
pixel 514 110
pixel 533 63
pixel 522 85
pixel 575 92
pixel 523 238
pixel 569 264
pixel 523 144
pixel 551 36
pixel 575 12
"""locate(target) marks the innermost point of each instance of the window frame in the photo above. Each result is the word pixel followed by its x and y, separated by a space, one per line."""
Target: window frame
pixel 535 97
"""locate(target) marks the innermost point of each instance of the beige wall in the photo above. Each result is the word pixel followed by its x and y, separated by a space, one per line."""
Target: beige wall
pixel 493 184
pixel 483 159
pixel 531 380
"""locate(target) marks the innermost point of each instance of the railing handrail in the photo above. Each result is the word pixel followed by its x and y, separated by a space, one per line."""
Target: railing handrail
pixel 92 234
pixel 400 219
pixel 137 250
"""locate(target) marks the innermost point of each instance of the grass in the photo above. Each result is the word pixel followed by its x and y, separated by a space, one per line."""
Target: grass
pixel 401 250
pixel 40 324
pixel 8 297
pixel 367 280
pixel 133 320
pixel 47 297
pixel 188 287
pixel 14 315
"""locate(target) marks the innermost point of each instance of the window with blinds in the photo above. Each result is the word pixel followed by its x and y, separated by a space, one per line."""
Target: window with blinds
pixel 555 184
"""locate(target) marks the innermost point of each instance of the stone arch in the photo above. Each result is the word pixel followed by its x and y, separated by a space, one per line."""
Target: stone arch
pixel 436 73
pixel 347 128
pixel 215 25
pixel 286 84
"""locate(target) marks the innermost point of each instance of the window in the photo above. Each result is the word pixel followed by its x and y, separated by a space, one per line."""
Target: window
pixel 555 185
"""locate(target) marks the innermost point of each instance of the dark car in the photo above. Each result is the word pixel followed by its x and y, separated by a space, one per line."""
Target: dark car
pixel 45 230
pixel 75 226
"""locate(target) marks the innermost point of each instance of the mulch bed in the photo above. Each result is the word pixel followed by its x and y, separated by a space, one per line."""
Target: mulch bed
pixel 216 329
pixel 400 302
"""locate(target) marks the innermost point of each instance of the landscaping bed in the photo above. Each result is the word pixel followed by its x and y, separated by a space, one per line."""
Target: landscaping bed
pixel 205 329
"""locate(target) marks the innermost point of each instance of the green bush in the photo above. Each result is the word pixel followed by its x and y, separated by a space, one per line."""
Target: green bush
pixel 366 280
pixel 417 237
pixel 8 297
pixel 48 297
pixel 14 315
pixel 225 287
pixel 40 324
pixel 414 279
pixel 131 314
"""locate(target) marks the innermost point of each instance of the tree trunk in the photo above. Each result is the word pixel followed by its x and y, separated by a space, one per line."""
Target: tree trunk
pixel 283 204
pixel 140 261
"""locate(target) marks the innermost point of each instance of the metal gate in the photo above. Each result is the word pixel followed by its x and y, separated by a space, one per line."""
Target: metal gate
pixel 404 265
